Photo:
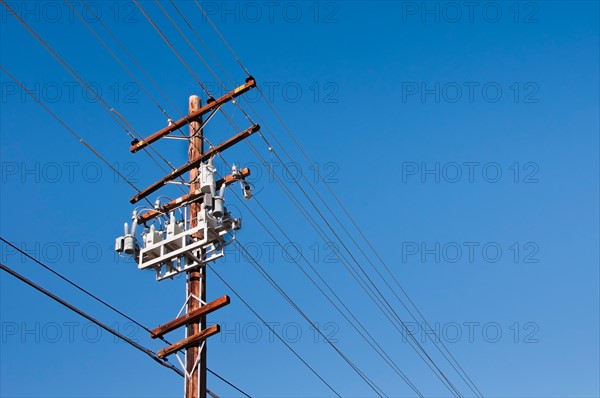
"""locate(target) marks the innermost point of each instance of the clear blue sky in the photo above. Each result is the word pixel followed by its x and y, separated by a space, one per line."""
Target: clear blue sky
pixel 462 138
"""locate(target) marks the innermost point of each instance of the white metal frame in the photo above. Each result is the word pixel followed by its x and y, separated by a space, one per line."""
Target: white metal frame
pixel 177 249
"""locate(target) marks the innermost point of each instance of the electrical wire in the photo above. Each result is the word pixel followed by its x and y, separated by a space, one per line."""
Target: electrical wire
pixel 337 200
pixel 172 47
pixel 113 113
pixel 66 126
pixel 353 323
pixel 379 301
pixel 382 299
pixel 228 383
pixel 261 135
pixel 83 20
pixel 278 288
pixel 273 331
pixel 69 129
pixel 103 302
pixel 139 347
pixel 216 77
pixel 380 352
pixel 77 286
pixel 98 18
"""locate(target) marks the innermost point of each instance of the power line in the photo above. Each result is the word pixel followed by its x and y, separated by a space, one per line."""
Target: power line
pixel 77 286
pixel 339 202
pixel 69 129
pixel 324 202
pixel 389 308
pixel 383 300
pixel 185 63
pixel 278 288
pixel 139 347
pixel 380 351
pixel 98 154
pixel 172 47
pixel 117 59
pixel 128 71
pixel 137 64
pixel 192 47
pixel 274 332
pixel 87 292
pixel 228 383
pixel 222 38
pixel 383 354
pixel 113 113
pixel 280 159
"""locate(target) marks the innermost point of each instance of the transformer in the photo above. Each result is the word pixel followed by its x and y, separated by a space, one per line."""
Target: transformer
pixel 181 245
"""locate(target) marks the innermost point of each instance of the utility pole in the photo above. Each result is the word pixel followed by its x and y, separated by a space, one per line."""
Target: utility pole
pixel 172 246
pixel 195 384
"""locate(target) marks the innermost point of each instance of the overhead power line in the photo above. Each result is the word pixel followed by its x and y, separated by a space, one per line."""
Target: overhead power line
pixel 95 297
pixel 77 286
pixel 380 351
pixel 111 111
pixel 275 333
pixel 428 360
pixel 129 182
pixel 132 343
pixel 460 371
pixel 297 143
pixel 278 288
pixel 228 383
pixel 189 69
pixel 69 129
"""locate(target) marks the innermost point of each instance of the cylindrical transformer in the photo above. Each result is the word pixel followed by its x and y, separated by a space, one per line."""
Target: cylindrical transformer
pixel 218 206
pixel 129 246
pixel 207 178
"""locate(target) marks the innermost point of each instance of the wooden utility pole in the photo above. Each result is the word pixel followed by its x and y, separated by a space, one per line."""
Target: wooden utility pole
pixel 179 244
pixel 195 384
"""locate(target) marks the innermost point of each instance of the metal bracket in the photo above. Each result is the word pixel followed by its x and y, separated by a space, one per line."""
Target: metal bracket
pixel 179 250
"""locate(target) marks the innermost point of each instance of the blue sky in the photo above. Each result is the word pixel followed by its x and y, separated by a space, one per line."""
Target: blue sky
pixel 463 139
